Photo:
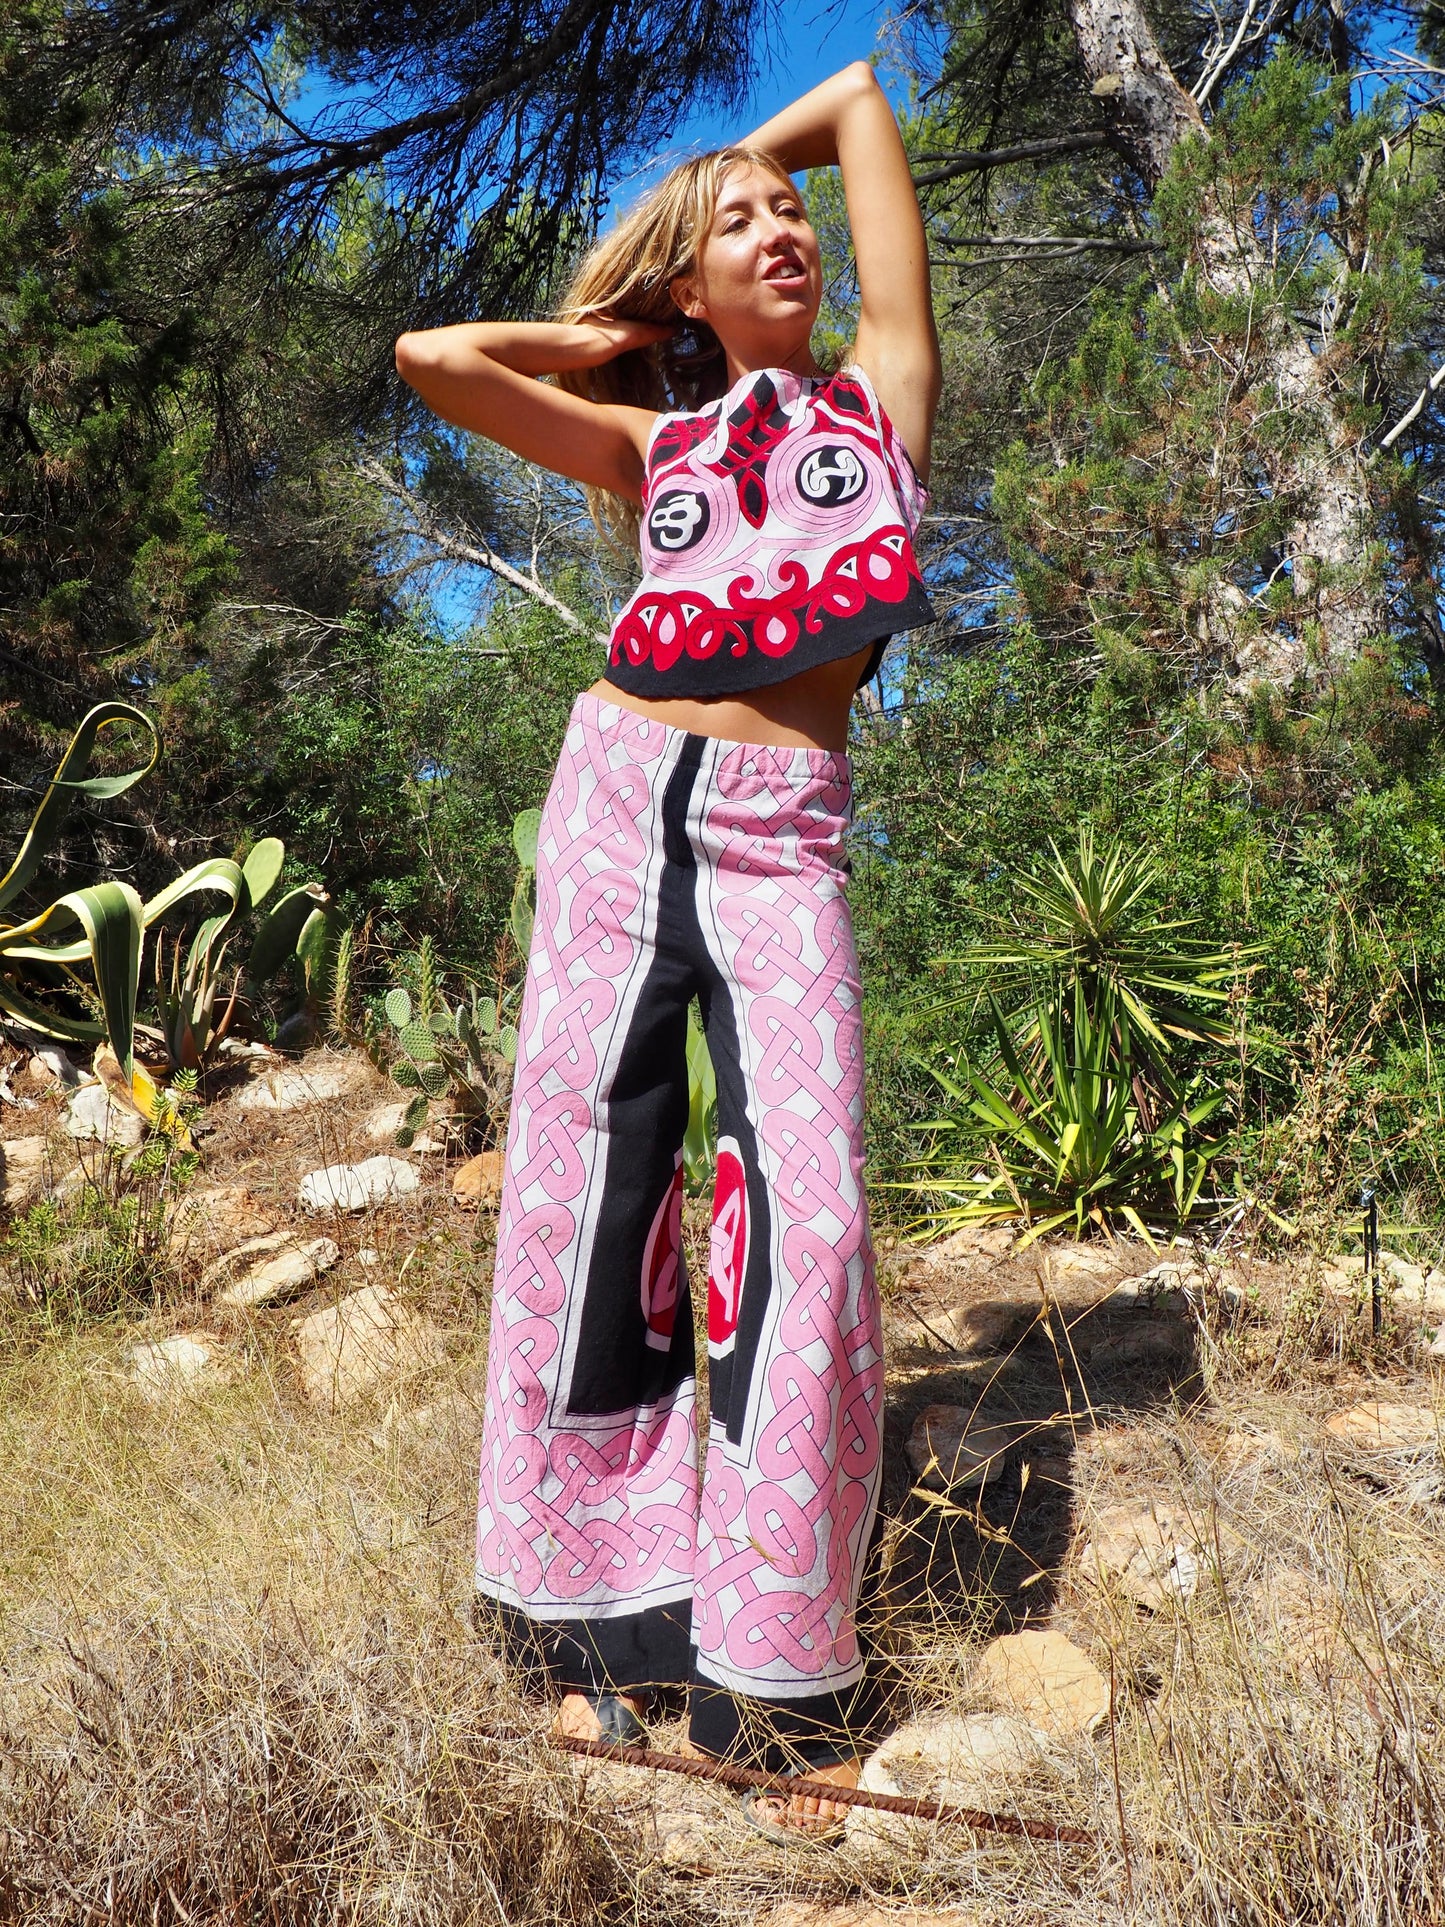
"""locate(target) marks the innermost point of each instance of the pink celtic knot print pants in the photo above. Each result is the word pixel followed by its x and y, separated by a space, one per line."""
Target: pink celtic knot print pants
pixel 671 866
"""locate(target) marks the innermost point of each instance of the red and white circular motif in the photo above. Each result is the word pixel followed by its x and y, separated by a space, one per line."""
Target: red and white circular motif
pixel 662 1266
pixel 727 1249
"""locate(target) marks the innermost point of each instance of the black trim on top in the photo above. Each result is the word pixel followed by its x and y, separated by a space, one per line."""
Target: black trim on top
pixel 725 674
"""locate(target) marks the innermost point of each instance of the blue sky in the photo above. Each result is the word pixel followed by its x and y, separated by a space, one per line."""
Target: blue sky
pixel 802 45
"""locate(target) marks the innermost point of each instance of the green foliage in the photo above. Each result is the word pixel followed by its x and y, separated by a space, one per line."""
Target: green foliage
pixel 699 1144
pixel 300 927
pixel 463 1051
pixel 1150 511
pixel 1086 1115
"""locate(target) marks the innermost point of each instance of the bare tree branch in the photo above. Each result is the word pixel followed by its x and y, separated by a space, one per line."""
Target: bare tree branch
pixel 1432 387
pixel 476 552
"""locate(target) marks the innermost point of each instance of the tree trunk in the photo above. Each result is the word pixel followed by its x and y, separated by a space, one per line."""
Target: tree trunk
pixel 1329 549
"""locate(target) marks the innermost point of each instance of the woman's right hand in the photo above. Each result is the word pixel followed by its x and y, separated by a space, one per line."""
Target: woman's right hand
pixel 613 335
pixel 482 376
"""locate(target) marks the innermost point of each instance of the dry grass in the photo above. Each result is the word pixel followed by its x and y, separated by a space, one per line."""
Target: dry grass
pixel 242 1683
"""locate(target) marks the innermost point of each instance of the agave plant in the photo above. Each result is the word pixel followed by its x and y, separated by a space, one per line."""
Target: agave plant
pixel 300 925
pixel 113 918
pixel 1084 1113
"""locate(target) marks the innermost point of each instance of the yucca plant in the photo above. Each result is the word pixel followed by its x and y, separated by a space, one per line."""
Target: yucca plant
pixel 1085 1112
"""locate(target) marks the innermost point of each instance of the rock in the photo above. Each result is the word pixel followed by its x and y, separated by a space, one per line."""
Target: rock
pixel 90 1114
pixel 1153 1341
pixel 952 1449
pixel 188 1363
pixel 382 1124
pixel 358 1187
pixel 1044 1677
pixel 295 1266
pixel 1153 1552
pixel 972 1241
pixel 1436 1347
pixel 22 1172
pixel 1062 1262
pixel 1379 1427
pixel 946 1757
pixel 215 1218
pixel 686 1840
pixel 50 1065
pixel 368 1256
pixel 1306 1616
pixel 1423 1300
pixel 1242 1446
pixel 292 1090
pixel 348 1349
pixel 477 1185
pixel 925 1326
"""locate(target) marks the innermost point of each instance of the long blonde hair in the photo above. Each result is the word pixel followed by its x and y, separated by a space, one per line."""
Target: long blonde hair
pixel 628 276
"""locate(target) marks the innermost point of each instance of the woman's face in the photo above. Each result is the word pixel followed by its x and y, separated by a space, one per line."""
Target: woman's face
pixel 758 281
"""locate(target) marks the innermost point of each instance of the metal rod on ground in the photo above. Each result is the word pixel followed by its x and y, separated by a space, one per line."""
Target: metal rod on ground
pixel 1372 1258
pixel 744 1777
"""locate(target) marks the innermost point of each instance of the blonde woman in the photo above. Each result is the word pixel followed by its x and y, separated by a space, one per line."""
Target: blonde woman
pixel 692 846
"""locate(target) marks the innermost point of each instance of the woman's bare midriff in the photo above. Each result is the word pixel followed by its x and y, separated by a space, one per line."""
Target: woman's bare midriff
pixel 809 711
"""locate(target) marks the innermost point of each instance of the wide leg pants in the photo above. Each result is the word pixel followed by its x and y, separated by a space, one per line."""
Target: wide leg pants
pixel 671 866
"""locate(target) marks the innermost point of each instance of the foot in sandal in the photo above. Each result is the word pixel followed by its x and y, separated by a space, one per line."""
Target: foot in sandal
pixel 613 1717
pixel 791 1819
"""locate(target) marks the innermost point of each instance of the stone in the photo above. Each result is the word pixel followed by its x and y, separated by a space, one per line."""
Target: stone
pixel 1153 1552
pixel 686 1841
pixel 1153 1341
pixel 953 1450
pixel 186 1363
pixel 359 1187
pixel 950 1757
pixel 215 1218
pixel 22 1172
pixel 1380 1427
pixel 1044 1677
pixel 382 1124
pixel 477 1185
pixel 1060 1262
pixel 293 1090
pixel 1307 1620
pixel 50 1065
pixel 368 1256
pixel 972 1241
pixel 348 1349
pixel 90 1115
pixel 1423 1300
pixel 295 1266
pixel 1242 1446
pixel 926 1326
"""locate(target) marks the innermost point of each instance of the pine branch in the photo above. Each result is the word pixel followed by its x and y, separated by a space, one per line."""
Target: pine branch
pixel 969 161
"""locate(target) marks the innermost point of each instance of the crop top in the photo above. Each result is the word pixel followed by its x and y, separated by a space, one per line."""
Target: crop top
pixel 777 534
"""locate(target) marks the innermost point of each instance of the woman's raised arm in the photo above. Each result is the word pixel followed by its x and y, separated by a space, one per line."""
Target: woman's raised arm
pixel 482 375
pixel 847 120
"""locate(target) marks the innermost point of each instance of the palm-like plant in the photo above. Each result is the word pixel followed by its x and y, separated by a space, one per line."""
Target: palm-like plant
pixel 1084 1113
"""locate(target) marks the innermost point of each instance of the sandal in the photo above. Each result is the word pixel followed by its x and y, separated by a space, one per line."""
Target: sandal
pixel 620 1725
pixel 787 1836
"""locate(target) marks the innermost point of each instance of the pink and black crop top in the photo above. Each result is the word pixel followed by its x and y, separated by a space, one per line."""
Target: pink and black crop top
pixel 777 534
